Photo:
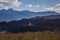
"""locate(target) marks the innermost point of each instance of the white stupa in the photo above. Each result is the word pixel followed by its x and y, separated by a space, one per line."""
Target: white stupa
pixel 30 24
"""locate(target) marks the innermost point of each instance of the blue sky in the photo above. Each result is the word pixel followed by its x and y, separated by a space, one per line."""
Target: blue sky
pixel 41 2
pixel 32 5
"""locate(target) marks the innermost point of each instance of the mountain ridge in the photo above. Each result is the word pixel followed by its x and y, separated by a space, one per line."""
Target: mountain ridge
pixel 10 14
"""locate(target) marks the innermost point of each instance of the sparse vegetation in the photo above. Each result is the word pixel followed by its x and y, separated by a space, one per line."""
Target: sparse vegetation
pixel 30 36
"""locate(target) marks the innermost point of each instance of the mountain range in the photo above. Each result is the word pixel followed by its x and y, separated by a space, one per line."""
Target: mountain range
pixel 23 21
pixel 45 23
pixel 10 14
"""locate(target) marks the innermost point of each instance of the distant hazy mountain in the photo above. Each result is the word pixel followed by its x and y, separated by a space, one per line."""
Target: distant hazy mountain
pixel 51 17
pixel 9 15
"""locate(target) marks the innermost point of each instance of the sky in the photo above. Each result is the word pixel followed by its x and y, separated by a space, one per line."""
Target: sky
pixel 31 5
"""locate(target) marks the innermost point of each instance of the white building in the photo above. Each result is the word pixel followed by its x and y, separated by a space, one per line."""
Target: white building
pixel 30 24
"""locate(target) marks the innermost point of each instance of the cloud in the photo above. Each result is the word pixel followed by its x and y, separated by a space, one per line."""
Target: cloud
pixel 37 6
pixel 3 0
pixel 55 8
pixel 5 4
pixel 32 6
pixel 50 9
